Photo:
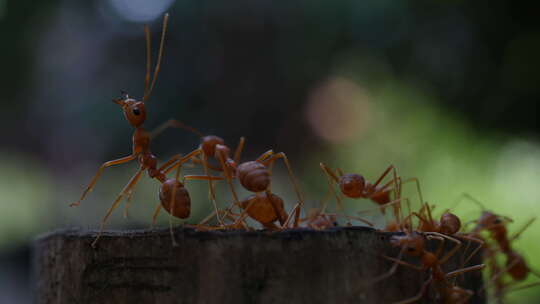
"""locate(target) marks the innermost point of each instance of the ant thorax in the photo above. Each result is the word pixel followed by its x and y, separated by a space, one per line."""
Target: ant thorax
pixel 141 141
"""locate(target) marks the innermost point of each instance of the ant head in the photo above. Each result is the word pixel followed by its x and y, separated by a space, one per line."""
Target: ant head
pixel 134 111
pixel 489 219
pixel 413 243
pixel 352 185
pixel 208 144
pixel 450 223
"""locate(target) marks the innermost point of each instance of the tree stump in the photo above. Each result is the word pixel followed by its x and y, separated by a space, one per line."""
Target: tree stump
pixel 294 266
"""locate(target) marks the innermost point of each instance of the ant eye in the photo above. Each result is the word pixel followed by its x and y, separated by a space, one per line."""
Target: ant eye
pixel 410 249
pixel 497 221
pixel 136 111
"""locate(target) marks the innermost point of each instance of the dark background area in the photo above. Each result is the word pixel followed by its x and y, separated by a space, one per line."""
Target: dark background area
pixel 264 70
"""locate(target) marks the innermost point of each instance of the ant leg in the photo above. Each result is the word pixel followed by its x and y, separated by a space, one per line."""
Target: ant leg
pixel 397 188
pixel 379 180
pixel 133 181
pixel 128 203
pixel 397 261
pixel 461 271
pixel 173 123
pixel 265 155
pixel 518 233
pixel 197 161
pixel 473 253
pixel 211 187
pixel 329 177
pixel 173 207
pixel 282 156
pixel 451 252
pixel 207 178
pixel 329 172
pixel 228 178
pixel 178 160
pixel 160 55
pixel 202 177
pixel 349 217
pixel 418 188
pixel 419 295
pixel 119 161
pixel 469 197
pixel 239 149
pixel 523 287
pixel 155 215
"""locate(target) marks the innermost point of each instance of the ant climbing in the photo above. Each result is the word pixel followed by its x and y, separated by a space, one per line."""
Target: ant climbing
pixel 448 224
pixel 413 244
pixel 516 266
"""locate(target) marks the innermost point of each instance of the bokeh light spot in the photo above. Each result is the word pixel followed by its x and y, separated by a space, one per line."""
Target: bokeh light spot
pixel 338 110
pixel 140 10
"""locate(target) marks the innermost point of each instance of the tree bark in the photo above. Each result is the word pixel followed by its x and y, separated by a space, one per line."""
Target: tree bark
pixel 295 266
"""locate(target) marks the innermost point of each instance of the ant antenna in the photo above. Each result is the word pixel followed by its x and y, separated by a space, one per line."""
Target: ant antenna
pixel 148 60
pixel 470 198
pixel 160 55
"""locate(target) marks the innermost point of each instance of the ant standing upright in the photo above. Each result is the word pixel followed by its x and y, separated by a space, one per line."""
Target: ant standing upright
pixel 135 113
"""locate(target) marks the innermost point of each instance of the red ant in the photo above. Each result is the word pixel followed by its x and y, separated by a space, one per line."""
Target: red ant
pixel 356 186
pixel 413 244
pixel 516 266
pixel 135 113
pixel 253 175
pixel 265 206
pixel 449 224
pixel 211 146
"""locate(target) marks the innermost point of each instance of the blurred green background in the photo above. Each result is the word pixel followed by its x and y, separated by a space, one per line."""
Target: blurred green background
pixel 447 91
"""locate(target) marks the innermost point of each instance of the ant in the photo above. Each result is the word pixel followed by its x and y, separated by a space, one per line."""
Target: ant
pixel 135 113
pixel 448 224
pixel 413 244
pixel 211 146
pixel 495 224
pixel 356 186
pixel 254 176
pixel 265 206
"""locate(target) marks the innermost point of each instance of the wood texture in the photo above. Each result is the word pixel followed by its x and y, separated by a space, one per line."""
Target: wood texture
pixel 297 266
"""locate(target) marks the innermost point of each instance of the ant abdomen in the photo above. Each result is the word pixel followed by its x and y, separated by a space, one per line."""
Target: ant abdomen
pixel 352 185
pixel 208 144
pixel 518 268
pixel 182 201
pixel 449 223
pixel 262 210
pixel 254 176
